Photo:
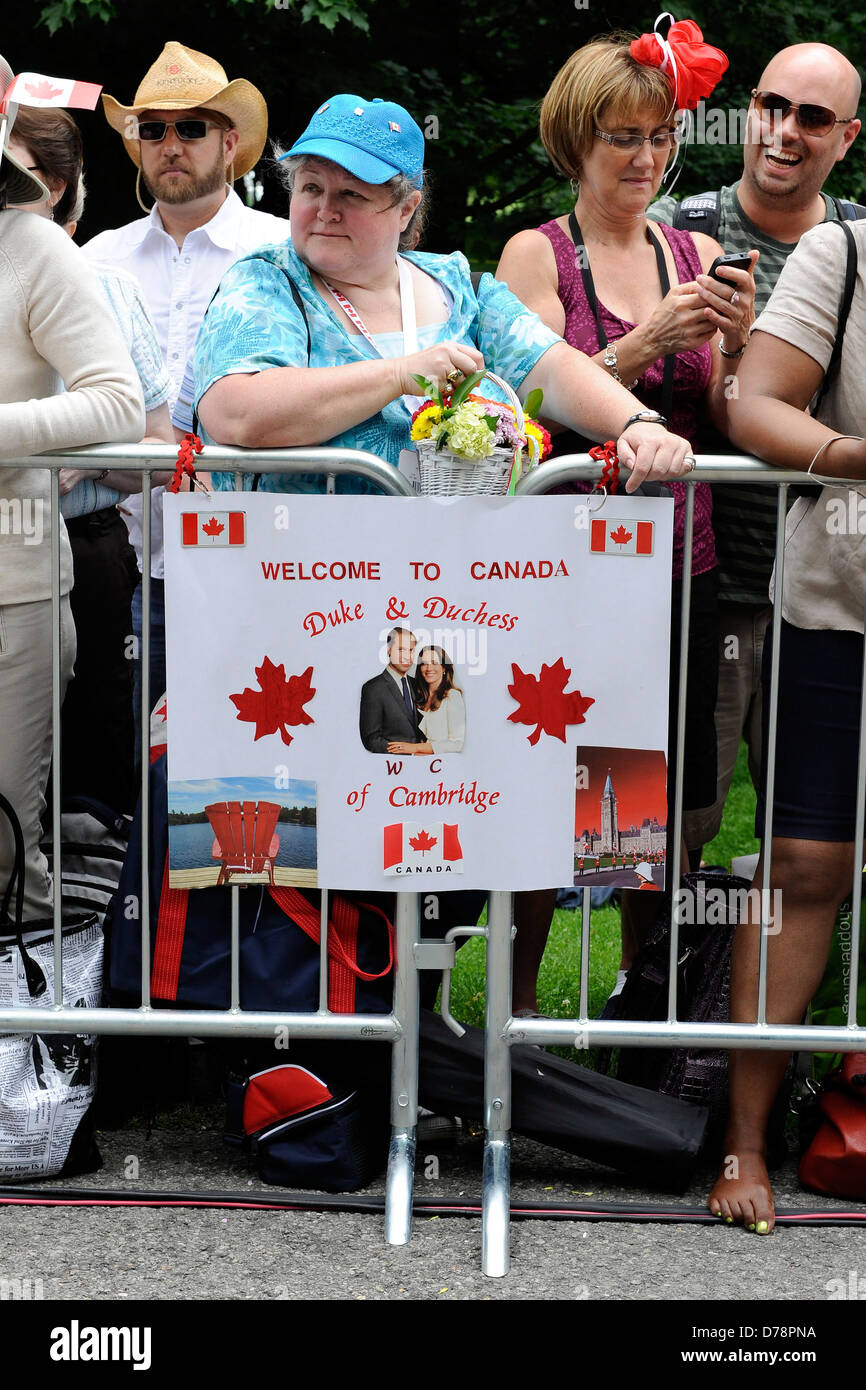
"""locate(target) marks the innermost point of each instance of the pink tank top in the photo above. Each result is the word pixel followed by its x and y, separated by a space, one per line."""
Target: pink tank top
pixel 692 371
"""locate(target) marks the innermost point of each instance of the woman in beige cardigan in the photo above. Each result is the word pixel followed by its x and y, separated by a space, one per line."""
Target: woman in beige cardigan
pixel 57 328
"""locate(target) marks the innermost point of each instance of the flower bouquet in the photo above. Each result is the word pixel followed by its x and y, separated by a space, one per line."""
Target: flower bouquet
pixel 469 445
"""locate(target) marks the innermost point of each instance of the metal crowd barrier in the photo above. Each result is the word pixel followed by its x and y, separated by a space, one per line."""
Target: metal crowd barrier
pixel 502 1030
pixel 400 1027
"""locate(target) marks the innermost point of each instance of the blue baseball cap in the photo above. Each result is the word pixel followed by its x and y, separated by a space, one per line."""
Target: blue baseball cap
pixel 373 140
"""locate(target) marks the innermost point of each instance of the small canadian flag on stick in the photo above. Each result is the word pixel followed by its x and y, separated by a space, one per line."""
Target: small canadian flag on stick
pixel 616 537
pixel 213 528
pixel 34 89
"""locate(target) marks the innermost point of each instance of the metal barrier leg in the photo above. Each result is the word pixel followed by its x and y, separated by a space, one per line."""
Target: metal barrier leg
pixel 404 1076
pixel 496 1177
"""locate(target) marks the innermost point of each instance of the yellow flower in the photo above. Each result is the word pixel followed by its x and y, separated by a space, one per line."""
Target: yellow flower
pixel 424 422
pixel 532 430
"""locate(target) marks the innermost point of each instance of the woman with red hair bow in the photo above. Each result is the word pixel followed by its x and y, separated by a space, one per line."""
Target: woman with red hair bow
pixel 635 297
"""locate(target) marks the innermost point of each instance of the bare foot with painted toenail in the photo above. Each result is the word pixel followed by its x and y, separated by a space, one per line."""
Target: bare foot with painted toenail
pixel 742 1192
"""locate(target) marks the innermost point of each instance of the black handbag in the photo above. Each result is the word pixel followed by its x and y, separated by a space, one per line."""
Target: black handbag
pixel 657 1138
pixel 710 905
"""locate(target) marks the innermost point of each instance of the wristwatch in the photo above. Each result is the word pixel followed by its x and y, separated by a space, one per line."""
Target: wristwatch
pixel 644 417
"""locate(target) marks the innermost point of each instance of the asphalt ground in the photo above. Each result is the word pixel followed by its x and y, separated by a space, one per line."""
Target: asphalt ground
pixel 92 1254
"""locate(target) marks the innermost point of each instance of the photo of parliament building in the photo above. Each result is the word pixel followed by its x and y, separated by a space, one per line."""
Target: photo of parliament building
pixel 643 840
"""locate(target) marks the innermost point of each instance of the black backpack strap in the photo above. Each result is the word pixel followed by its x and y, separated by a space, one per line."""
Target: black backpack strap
pixel 700 213
pixel 844 310
pixel 846 211
pixel 15 884
pixel 296 296
pixel 475 277
pixel 299 304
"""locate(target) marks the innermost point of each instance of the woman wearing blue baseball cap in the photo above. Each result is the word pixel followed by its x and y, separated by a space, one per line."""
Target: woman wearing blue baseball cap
pixel 348 299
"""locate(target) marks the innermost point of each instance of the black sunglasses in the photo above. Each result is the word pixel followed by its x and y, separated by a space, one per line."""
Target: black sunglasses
pixel 189 129
pixel 814 120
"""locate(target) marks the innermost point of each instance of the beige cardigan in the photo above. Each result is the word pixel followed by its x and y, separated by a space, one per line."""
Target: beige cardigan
pixel 825 537
pixel 56 328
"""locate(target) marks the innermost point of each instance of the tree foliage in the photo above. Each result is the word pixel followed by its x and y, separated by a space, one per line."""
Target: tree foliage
pixel 473 75
pixel 326 12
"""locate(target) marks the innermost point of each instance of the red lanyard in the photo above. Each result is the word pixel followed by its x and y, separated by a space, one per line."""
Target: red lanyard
pixel 407 310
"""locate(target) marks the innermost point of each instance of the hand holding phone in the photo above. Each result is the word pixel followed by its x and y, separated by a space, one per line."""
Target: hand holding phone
pixel 737 260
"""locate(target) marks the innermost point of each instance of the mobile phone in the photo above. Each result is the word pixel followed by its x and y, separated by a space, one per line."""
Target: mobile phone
pixel 736 259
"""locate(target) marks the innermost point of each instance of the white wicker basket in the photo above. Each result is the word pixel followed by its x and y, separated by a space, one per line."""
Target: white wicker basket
pixel 443 474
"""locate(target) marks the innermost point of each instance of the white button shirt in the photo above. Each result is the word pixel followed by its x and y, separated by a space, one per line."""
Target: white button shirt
pixel 178 285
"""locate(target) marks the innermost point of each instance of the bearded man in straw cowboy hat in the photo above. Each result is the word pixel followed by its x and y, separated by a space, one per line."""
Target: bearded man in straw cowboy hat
pixel 191 133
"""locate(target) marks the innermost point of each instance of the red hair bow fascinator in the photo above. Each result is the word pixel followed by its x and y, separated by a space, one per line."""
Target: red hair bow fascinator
pixel 692 67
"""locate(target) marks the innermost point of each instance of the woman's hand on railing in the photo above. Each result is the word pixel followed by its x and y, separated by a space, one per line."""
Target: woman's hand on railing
pixel 653 454
pixel 71 477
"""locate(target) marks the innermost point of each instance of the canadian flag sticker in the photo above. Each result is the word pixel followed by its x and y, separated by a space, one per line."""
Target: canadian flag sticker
pixel 213 528
pixel 411 847
pixel 615 537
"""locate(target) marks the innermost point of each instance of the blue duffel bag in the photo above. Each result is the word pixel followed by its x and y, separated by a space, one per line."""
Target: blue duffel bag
pixel 304 1134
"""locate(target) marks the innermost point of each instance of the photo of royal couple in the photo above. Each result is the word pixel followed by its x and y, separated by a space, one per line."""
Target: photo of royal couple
pixel 414 705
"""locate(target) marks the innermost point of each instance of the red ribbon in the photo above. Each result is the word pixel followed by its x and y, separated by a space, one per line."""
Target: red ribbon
pixel 189 446
pixel 610 472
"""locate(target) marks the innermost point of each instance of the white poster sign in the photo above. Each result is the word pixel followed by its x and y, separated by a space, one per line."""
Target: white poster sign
pixel 370 693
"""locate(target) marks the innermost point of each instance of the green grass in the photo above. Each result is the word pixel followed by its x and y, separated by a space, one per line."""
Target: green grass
pixel 559 977
pixel 736 835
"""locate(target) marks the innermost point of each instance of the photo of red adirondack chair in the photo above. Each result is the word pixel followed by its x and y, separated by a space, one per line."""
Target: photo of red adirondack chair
pixel 245 841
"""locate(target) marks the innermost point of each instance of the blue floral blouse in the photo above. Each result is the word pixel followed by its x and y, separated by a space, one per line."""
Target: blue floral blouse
pixel 253 323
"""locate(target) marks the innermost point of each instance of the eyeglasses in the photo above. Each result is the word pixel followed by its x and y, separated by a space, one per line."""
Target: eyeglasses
pixel 188 129
pixel 630 144
pixel 812 120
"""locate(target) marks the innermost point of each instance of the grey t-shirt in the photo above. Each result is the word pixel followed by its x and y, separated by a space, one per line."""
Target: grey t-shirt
pixel 825 556
pixel 744 518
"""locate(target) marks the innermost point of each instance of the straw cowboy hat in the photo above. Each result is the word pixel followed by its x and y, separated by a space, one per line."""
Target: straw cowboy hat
pixel 20 185
pixel 181 80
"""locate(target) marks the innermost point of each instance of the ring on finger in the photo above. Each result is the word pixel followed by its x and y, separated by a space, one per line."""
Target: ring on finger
pixel 454 376
pixel 735 297
pixel 691 461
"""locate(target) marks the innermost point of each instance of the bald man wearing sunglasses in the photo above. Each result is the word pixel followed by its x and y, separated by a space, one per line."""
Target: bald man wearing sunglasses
pixel 191 133
pixel 801 122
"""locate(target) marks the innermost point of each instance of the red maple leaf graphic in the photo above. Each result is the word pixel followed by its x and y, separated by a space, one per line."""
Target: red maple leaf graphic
pixel 213 527
pixel 422 842
pixel 621 535
pixel 544 701
pixel 43 90
pixel 278 703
